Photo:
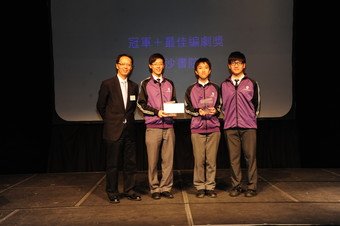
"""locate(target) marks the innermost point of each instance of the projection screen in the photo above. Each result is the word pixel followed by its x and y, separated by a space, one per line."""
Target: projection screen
pixel 87 35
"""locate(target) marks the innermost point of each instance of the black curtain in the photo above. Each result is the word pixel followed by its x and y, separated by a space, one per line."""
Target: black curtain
pixel 79 147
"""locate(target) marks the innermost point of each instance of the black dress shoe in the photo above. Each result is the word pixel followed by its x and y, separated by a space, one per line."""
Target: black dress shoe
pixel 236 191
pixel 250 193
pixel 200 193
pixel 211 193
pixel 134 197
pixel 113 198
pixel 167 195
pixel 156 195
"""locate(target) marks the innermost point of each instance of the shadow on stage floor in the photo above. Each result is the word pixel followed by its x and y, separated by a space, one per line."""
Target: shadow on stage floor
pixel 286 197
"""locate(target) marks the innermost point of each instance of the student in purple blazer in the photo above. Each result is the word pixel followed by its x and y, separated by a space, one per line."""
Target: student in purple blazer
pixel 203 104
pixel 240 107
pixel 156 90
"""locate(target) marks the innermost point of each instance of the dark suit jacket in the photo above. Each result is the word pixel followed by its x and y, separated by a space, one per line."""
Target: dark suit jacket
pixel 110 106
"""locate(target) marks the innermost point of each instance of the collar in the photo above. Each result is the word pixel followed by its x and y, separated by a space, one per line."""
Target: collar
pixel 155 78
pixel 232 78
pixel 121 80
pixel 203 84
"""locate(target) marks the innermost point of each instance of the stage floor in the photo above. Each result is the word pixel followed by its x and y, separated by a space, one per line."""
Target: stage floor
pixel 285 197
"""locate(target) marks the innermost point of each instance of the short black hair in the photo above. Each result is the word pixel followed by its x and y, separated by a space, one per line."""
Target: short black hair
pixel 202 60
pixel 124 55
pixel 236 56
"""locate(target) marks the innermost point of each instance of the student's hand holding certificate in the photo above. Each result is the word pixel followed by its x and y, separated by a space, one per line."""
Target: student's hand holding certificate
pixel 172 108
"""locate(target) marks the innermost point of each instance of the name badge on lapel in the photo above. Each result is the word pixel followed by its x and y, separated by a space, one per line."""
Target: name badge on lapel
pixel 132 98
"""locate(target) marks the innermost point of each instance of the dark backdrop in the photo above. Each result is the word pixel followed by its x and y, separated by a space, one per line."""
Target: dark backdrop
pixel 31 143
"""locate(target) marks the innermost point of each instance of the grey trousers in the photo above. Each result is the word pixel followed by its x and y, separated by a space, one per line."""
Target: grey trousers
pixel 242 140
pixel 160 143
pixel 205 147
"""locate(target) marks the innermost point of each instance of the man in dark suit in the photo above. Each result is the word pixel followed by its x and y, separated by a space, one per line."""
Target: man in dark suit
pixel 116 105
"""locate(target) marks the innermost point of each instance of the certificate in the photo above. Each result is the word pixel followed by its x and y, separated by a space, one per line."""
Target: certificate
pixel 171 107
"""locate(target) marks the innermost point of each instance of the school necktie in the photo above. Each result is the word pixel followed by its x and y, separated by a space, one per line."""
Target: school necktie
pixel 236 82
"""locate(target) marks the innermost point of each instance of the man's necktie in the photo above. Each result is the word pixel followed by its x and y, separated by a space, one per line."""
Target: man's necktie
pixel 125 92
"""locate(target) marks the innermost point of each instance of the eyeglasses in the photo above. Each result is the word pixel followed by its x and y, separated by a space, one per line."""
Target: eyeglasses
pixel 236 63
pixel 125 64
pixel 157 64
